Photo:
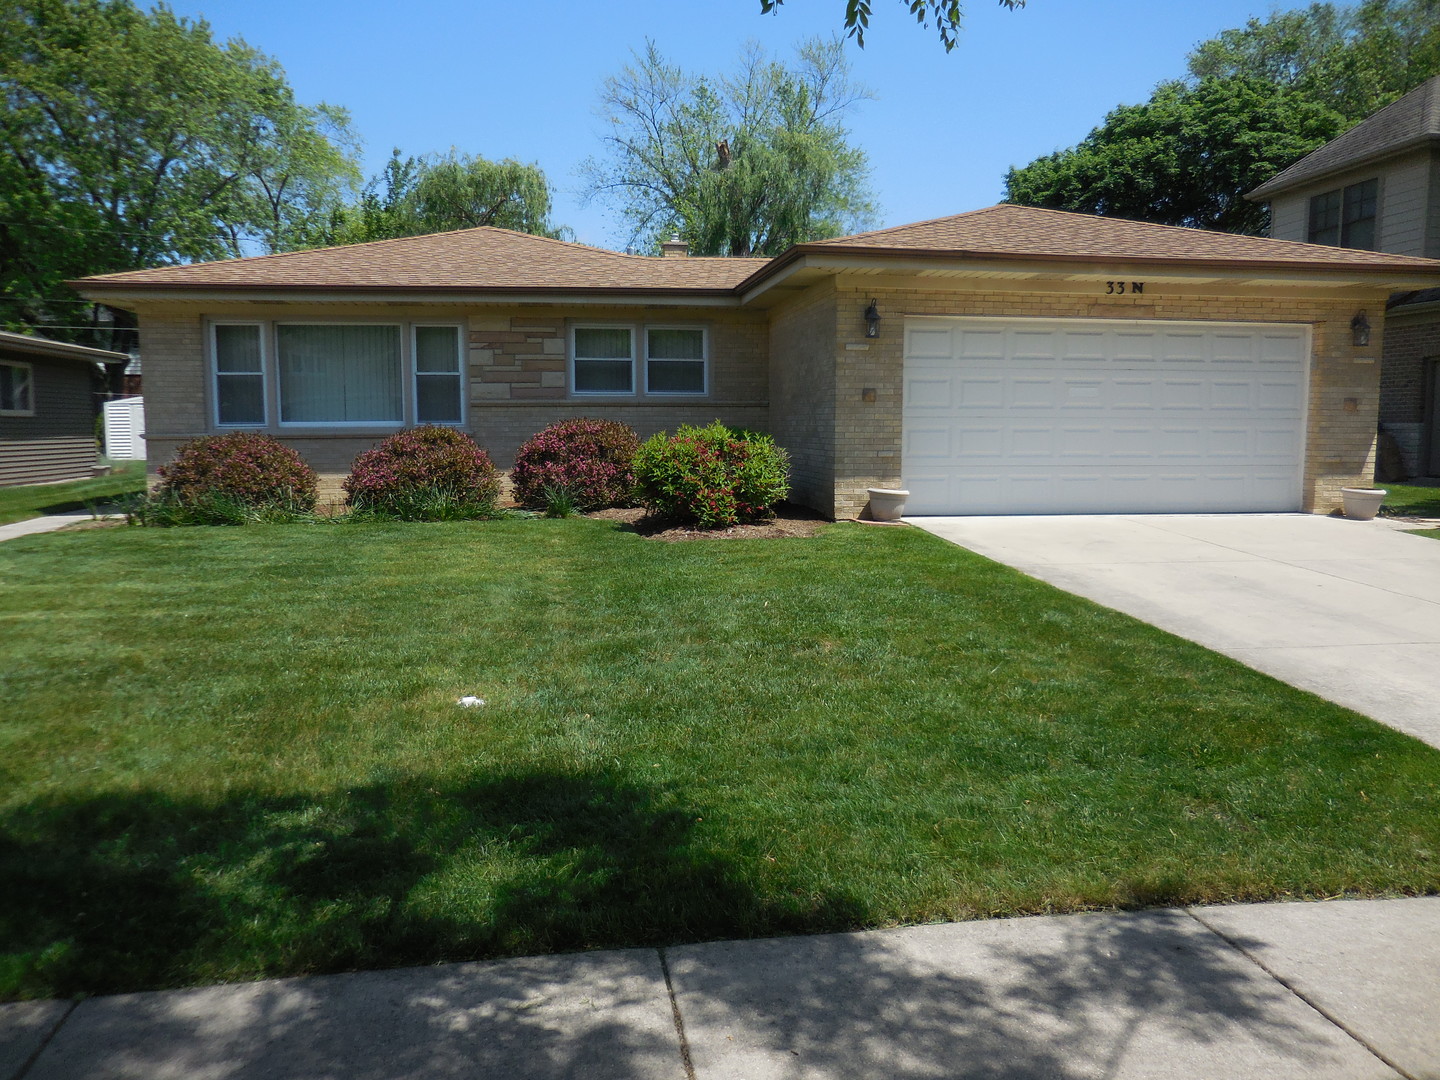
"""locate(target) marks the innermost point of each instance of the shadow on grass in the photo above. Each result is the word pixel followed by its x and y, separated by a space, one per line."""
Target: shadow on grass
pixel 137 891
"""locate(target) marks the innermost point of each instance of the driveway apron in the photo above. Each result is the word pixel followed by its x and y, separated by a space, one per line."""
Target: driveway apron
pixel 1348 610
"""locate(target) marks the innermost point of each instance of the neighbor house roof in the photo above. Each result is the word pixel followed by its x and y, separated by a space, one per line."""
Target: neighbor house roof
pixel 1412 121
pixel 28 345
pixel 490 261
pixel 1025 233
pixel 482 259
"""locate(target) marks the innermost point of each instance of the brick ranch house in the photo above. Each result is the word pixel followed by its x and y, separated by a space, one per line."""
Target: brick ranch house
pixel 1023 361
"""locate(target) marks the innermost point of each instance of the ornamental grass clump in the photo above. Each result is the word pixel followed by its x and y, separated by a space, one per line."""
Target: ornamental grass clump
pixel 231 479
pixel 424 474
pixel 590 460
pixel 713 476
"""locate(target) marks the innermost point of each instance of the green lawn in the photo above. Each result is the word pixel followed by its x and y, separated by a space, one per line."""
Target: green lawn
pixel 33 500
pixel 1410 500
pixel 231 753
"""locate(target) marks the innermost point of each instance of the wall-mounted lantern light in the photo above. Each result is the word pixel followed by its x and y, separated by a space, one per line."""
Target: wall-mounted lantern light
pixel 1360 330
pixel 872 320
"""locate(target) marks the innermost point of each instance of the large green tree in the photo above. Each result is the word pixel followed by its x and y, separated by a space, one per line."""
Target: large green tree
pixel 413 196
pixel 1256 99
pixel 746 164
pixel 132 138
pixel 946 14
pixel 1185 157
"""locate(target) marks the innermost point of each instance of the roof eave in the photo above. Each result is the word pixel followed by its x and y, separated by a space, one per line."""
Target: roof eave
pixel 120 293
pixel 1277 186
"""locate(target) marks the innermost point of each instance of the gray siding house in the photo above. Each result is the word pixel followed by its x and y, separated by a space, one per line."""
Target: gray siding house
pixel 1377 188
pixel 47 408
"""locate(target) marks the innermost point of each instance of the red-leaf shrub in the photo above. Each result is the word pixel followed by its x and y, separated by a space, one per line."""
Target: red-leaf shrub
pixel 243 467
pixel 714 476
pixel 424 473
pixel 588 459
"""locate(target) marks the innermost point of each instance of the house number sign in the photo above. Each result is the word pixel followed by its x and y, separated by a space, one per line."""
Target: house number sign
pixel 1120 288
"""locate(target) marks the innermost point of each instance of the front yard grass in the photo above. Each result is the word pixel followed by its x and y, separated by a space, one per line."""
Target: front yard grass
pixel 1411 500
pixel 235 753
pixel 33 500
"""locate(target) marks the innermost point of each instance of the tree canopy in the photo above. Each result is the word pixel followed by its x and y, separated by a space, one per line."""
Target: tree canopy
pixel 746 164
pixel 413 196
pixel 1255 100
pixel 132 138
pixel 946 14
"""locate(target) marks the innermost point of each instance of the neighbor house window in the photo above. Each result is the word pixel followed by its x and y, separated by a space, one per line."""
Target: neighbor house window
pixel 604 360
pixel 438 382
pixel 336 374
pixel 17 390
pixel 1345 217
pixel 239 374
pixel 674 360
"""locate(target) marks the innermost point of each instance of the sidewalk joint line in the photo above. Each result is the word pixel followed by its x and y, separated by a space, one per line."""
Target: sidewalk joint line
pixel 675 1014
pixel 29 1062
pixel 1335 1020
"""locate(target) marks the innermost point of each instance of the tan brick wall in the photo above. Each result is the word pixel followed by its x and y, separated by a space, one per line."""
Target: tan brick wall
pixel 1344 381
pixel 516 361
pixel 802 393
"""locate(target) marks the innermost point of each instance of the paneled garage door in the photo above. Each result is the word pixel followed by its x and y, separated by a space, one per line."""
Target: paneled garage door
pixel 1073 416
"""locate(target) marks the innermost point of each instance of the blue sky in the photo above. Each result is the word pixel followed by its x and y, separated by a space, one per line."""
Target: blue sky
pixel 521 79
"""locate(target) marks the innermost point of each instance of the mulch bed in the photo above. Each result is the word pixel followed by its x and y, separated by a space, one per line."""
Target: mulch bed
pixel 788 521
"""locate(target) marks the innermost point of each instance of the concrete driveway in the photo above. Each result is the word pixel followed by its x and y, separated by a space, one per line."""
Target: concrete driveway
pixel 1349 610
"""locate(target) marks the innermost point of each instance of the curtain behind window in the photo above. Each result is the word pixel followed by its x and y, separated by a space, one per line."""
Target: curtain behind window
pixel 340 374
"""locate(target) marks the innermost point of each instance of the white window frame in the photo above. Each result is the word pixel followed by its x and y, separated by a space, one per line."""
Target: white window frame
pixel 407 408
pixel 416 374
pixel 633 358
pixel 215 373
pixel 704 360
pixel 29 369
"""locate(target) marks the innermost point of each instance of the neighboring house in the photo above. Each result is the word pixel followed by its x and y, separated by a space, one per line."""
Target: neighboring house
pixel 1377 187
pixel 48 408
pixel 1008 360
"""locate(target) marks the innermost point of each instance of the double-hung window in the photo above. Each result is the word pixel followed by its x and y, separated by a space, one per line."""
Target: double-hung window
pixel 17 389
pixel 674 360
pixel 1345 217
pixel 239 374
pixel 438 381
pixel 604 359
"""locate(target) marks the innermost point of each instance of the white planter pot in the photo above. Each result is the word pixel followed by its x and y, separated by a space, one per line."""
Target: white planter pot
pixel 1362 504
pixel 887 504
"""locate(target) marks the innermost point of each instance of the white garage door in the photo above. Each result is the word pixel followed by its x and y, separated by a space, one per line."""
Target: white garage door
pixel 1076 416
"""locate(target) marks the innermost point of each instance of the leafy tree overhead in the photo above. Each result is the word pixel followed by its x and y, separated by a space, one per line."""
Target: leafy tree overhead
pixel 947 15
pixel 413 196
pixel 1185 157
pixel 1256 100
pixel 747 164
pixel 131 138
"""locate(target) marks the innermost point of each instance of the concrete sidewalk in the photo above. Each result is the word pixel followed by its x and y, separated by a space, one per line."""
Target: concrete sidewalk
pixel 48 523
pixel 1349 610
pixel 1342 989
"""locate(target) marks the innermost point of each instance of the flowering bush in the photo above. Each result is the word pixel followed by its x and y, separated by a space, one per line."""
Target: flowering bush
pixel 424 474
pixel 587 459
pixel 714 476
pixel 243 470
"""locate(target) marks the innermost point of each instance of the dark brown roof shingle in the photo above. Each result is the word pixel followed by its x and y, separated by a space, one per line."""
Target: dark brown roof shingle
pixel 484 258
pixel 1412 120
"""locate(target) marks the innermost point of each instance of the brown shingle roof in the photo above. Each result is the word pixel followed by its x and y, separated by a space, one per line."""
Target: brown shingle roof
pixel 485 258
pixel 1025 232
pixel 1412 120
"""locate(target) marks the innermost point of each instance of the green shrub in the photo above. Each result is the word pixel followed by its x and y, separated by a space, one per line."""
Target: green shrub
pixel 230 480
pixel 713 476
pixel 590 459
pixel 425 474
